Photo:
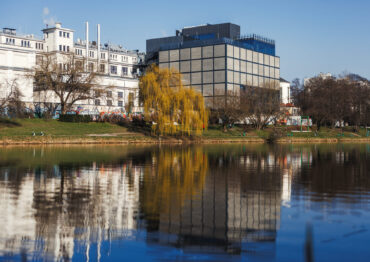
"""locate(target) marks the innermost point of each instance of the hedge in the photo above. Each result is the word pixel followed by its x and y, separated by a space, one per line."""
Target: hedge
pixel 75 118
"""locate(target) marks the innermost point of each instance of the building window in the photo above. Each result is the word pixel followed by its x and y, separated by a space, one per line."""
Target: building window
pixel 97 102
pixel 67 48
pixel 102 68
pixel 109 102
pixel 109 94
pixel 120 94
pixel 124 71
pixel 102 55
pixel 120 103
pixel 113 70
pixel 67 35
pixel 91 54
pixel 60 33
pixel 91 67
pixel 60 47
pixel 79 65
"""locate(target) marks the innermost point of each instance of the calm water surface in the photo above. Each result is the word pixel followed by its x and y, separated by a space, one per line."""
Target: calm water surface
pixel 186 203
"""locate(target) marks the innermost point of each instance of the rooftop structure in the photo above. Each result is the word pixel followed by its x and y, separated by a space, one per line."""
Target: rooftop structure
pixel 216 59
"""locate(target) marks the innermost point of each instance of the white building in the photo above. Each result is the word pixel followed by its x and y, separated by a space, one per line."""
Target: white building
pixel 285 97
pixel 18 56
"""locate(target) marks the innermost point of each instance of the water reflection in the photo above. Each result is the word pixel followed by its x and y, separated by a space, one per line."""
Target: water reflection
pixel 62 203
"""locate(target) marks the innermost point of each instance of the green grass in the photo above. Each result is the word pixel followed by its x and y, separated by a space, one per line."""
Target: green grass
pixel 23 128
pixel 214 132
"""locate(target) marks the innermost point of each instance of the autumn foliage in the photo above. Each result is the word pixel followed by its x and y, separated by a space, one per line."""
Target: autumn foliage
pixel 172 108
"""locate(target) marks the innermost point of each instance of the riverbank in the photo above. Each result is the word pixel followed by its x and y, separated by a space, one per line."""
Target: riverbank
pixel 39 131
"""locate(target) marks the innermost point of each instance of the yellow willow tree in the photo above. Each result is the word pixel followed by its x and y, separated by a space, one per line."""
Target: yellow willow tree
pixel 173 108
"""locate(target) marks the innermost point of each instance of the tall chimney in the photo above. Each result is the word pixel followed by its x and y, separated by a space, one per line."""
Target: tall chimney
pixel 98 40
pixel 87 44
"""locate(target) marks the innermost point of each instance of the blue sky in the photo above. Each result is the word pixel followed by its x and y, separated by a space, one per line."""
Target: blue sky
pixel 311 36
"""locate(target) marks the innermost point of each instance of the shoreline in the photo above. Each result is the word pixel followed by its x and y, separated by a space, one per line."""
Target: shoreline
pixel 176 141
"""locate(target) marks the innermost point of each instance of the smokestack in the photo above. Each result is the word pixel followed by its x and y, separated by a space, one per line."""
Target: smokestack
pixel 98 40
pixel 87 44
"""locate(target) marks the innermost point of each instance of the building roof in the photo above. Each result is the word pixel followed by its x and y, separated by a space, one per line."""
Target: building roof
pixel 283 80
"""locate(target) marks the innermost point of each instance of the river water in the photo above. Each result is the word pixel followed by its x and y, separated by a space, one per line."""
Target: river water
pixel 186 203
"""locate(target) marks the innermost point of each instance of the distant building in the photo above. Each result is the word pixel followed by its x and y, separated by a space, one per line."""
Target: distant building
pixel 321 75
pixel 285 97
pixel 115 65
pixel 217 59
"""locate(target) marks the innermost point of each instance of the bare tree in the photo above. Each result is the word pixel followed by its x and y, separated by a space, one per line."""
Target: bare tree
pixel 11 101
pixel 66 78
pixel 331 101
pixel 263 105
pixel 230 109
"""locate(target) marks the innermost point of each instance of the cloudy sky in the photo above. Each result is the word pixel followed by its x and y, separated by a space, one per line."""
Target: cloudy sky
pixel 312 36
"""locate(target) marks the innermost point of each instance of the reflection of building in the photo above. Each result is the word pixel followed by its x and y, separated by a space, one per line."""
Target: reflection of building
pixel 230 209
pixel 50 214
pixel 216 59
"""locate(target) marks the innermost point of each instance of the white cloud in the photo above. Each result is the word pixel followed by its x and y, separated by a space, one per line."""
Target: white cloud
pixel 45 11
pixel 47 18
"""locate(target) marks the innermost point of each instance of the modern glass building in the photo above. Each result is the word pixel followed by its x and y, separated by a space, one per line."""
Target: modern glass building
pixel 215 60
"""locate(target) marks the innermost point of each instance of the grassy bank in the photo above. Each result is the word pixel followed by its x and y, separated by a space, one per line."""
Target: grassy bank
pixel 21 131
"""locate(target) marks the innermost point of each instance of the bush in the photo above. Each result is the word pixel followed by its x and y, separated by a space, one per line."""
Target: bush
pixel 75 118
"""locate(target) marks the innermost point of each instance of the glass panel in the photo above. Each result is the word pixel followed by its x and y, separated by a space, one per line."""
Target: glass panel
pixel 196 65
pixel 196 78
pixel 163 56
pixel 208 90
pixel 243 79
pixel 186 79
pixel 249 55
pixel 266 59
pixel 243 54
pixel 236 77
pixel 175 65
pixel 236 52
pixel 260 70
pixel 249 68
pixel 230 76
pixel 255 69
pixel 207 51
pixel 208 77
pixel 207 64
pixel 219 50
pixel 243 66
pixel 230 63
pixel 230 50
pixel 219 89
pixel 185 54
pixel 255 57
pixel 185 66
pixel 219 76
pixel 236 65
pixel 196 53
pixel 174 55
pixel 260 58
pixel 219 63
pixel 249 80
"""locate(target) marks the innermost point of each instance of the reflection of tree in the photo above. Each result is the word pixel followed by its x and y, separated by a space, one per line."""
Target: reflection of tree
pixel 175 175
pixel 336 170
